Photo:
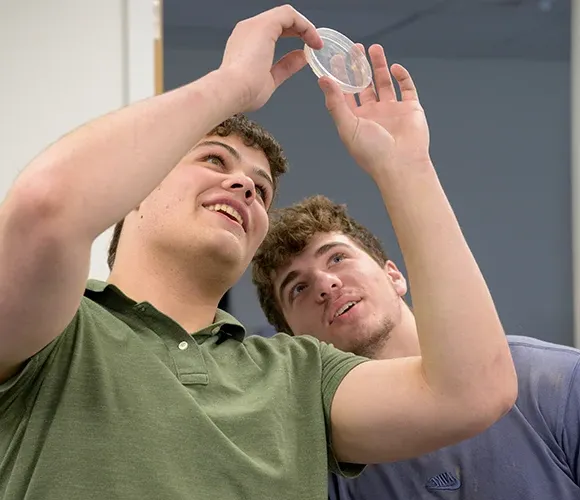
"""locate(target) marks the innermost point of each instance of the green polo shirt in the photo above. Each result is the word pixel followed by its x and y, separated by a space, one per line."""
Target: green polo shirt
pixel 125 404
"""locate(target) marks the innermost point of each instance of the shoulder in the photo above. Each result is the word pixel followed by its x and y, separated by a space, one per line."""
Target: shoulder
pixel 55 356
pixel 282 344
pixel 540 356
pixel 299 350
pixel 282 349
pixel 282 341
pixel 547 377
pixel 299 344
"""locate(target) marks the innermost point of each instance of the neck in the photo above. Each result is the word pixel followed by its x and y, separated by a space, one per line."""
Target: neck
pixel 190 299
pixel 403 341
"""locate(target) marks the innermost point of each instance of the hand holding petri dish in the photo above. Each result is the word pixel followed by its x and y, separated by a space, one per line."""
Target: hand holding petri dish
pixel 341 60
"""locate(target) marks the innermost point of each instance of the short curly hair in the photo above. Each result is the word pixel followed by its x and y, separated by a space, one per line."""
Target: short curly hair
pixel 291 229
pixel 253 135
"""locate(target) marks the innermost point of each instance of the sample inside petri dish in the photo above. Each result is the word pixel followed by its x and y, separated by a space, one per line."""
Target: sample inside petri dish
pixel 341 60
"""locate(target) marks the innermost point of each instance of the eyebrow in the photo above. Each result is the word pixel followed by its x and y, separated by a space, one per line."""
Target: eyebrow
pixel 235 153
pixel 292 275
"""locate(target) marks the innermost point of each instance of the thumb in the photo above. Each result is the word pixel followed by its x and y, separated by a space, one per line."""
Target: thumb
pixel 337 106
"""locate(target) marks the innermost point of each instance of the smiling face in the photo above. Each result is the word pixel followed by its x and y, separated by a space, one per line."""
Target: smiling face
pixel 338 293
pixel 213 203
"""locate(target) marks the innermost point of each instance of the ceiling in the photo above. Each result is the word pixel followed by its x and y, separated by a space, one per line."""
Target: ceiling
pixel 528 29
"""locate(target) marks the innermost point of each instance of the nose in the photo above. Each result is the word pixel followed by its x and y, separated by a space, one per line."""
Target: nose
pixel 241 184
pixel 327 285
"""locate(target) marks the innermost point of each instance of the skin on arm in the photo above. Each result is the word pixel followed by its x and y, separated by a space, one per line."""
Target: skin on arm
pixel 464 380
pixel 97 174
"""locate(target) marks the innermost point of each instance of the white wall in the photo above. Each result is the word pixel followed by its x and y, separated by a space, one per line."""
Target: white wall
pixel 64 62
pixel 500 131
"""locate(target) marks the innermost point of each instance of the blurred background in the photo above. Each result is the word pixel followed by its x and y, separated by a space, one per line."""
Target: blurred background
pixel 494 77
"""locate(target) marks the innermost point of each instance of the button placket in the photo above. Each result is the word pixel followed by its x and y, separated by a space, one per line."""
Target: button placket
pixel 187 358
pixel 189 361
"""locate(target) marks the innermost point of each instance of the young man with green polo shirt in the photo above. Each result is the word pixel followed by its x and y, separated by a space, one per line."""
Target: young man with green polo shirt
pixel 140 388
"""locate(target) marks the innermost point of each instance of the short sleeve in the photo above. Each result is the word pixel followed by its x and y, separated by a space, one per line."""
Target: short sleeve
pixel 15 391
pixel 335 366
pixel 571 425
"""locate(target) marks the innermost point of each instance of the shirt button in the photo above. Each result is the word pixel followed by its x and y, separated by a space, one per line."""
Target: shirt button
pixel 183 345
pixel 216 330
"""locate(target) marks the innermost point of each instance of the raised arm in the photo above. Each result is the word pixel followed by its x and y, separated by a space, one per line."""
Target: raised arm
pixel 464 380
pixel 97 174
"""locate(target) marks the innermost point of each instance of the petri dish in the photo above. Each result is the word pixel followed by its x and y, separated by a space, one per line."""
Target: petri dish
pixel 341 60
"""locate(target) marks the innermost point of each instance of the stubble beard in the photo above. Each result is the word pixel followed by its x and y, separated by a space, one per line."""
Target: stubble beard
pixel 371 345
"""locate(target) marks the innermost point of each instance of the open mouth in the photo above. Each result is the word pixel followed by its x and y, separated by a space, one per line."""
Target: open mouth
pixel 230 212
pixel 345 308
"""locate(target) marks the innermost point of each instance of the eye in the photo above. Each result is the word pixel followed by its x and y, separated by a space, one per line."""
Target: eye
pixel 337 258
pixel 262 191
pixel 296 290
pixel 214 159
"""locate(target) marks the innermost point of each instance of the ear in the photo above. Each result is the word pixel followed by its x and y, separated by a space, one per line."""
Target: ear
pixel 396 277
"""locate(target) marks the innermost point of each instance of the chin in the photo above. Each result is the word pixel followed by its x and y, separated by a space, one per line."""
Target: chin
pixel 230 255
pixel 371 344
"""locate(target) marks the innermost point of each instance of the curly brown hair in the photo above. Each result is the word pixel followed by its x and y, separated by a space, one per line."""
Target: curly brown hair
pixel 253 135
pixel 291 229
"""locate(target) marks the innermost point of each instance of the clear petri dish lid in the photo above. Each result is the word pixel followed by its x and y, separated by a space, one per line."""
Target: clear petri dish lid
pixel 341 60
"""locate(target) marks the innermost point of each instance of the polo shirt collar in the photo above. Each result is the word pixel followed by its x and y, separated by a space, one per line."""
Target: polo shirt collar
pixel 110 295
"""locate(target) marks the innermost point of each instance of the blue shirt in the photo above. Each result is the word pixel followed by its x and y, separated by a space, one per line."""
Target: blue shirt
pixel 530 454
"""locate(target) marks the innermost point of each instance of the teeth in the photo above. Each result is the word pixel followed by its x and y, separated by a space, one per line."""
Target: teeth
pixel 221 207
pixel 344 308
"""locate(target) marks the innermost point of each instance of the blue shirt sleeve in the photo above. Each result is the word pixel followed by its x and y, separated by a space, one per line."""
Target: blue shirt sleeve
pixel 337 487
pixel 571 425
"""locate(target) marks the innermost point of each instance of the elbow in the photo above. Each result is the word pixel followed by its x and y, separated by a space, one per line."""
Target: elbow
pixel 495 398
pixel 485 415
pixel 502 388
pixel 35 204
pixel 37 215
pixel 499 403
pixel 509 390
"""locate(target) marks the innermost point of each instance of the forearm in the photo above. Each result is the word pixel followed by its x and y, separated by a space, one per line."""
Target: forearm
pixel 101 171
pixel 463 345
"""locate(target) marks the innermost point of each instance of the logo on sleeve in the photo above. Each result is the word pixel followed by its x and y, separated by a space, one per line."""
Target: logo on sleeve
pixel 443 481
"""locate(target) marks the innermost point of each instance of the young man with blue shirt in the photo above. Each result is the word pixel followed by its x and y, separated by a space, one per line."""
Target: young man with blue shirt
pixel 321 273
pixel 533 453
